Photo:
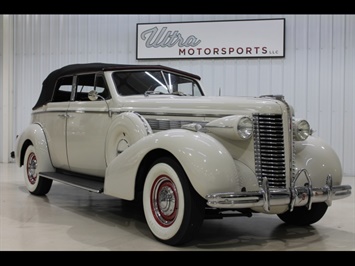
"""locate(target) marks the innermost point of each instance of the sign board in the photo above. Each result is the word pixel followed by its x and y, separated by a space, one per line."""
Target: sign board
pixel 212 39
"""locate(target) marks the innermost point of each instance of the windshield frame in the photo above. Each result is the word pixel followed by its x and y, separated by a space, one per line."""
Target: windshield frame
pixel 154 82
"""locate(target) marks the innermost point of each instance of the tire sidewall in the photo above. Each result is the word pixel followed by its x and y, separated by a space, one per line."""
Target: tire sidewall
pixel 163 233
pixel 30 187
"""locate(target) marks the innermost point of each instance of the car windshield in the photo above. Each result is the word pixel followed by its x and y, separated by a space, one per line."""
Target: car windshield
pixel 154 82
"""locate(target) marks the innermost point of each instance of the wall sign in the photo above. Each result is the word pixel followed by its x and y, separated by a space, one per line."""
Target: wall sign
pixel 212 39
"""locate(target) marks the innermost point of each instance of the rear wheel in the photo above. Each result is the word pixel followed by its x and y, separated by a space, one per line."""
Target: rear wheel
pixel 36 185
pixel 302 216
pixel 174 211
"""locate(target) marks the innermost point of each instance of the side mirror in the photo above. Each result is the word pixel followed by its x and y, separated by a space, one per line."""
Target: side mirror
pixel 93 95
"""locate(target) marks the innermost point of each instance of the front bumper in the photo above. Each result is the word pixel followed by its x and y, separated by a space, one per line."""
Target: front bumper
pixel 294 196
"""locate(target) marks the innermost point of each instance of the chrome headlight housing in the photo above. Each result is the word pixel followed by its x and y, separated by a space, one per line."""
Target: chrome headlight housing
pixel 235 127
pixel 301 130
pixel 245 127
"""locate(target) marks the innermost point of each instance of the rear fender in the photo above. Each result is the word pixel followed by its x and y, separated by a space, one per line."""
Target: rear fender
pixel 34 135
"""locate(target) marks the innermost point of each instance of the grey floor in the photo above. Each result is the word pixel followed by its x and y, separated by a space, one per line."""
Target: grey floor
pixel 71 219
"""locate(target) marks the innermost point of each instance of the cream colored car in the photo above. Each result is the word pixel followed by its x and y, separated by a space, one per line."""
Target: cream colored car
pixel 148 133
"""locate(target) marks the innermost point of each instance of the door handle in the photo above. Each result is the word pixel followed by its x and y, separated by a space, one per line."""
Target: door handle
pixel 65 115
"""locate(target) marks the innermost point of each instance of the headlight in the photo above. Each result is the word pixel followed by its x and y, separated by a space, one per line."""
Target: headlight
pixel 301 130
pixel 245 127
pixel 235 127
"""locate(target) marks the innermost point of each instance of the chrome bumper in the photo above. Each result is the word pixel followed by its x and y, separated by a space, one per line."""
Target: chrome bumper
pixel 294 196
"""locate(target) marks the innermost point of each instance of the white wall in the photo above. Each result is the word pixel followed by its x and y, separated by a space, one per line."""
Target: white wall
pixel 6 88
pixel 316 76
pixel 1 87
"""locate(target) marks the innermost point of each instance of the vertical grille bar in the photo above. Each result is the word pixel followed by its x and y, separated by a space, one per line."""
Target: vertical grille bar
pixel 269 149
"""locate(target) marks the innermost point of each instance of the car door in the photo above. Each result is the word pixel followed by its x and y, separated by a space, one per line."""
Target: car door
pixel 87 125
pixel 54 122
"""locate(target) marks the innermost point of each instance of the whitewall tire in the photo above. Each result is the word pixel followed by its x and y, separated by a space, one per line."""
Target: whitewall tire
pixel 173 210
pixel 35 185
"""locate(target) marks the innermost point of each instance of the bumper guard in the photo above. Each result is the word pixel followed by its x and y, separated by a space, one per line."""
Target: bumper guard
pixel 294 196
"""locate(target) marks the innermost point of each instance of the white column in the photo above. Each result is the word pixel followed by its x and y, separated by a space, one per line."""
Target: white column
pixel 7 87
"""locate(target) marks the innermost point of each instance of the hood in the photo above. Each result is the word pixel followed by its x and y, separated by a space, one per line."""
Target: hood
pixel 200 106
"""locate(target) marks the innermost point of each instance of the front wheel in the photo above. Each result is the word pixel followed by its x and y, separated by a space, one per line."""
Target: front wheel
pixel 174 211
pixel 35 184
pixel 302 216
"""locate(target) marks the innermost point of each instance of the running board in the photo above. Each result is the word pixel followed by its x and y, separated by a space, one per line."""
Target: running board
pixel 87 183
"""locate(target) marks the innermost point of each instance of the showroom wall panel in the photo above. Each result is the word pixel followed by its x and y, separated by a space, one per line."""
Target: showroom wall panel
pixel 6 79
pixel 1 87
pixel 316 75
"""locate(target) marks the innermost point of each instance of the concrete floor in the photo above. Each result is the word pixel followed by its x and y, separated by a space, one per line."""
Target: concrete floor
pixel 71 219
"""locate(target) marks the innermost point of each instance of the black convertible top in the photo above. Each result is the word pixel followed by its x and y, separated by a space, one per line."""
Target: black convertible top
pixel 49 83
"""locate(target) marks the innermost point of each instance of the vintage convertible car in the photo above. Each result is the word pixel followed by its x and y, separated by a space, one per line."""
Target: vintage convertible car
pixel 148 133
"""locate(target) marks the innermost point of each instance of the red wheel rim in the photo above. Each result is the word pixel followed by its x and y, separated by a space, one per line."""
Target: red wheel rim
pixel 31 168
pixel 164 201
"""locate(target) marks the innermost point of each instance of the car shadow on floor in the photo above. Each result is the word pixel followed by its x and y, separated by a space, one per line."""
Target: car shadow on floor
pixel 88 210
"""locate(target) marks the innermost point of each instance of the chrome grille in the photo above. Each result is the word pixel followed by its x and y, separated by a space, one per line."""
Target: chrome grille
pixel 269 149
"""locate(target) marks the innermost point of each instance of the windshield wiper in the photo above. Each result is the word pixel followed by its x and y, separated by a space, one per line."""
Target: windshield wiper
pixel 153 92
pixel 179 93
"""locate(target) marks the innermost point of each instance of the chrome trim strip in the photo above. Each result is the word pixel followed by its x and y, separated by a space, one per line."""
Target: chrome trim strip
pixel 70 111
pixel 166 124
pixel 142 113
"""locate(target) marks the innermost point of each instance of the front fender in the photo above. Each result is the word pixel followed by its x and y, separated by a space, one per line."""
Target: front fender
pixel 319 159
pixel 207 163
pixel 34 135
